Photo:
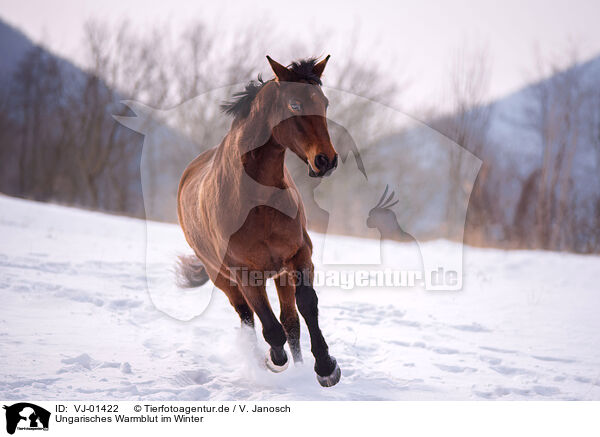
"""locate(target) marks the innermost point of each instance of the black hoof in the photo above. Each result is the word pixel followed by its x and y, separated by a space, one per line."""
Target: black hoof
pixel 275 368
pixel 333 378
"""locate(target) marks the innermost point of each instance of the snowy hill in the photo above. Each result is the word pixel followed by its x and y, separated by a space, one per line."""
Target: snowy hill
pixel 550 127
pixel 13 46
pixel 73 164
pixel 77 323
pixel 519 144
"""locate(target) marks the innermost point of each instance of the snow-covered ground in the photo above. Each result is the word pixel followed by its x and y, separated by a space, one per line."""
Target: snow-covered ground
pixel 77 322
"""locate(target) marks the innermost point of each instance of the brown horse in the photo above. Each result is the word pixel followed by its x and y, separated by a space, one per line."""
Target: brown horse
pixel 243 216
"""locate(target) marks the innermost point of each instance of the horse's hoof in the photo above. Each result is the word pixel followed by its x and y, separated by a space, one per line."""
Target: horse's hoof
pixel 333 379
pixel 274 367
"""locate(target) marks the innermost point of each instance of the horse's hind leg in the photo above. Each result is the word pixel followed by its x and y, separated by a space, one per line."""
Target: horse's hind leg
pixel 273 332
pixel 289 316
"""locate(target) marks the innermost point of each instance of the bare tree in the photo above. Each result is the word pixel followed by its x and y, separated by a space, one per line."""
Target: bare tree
pixel 467 125
pixel 66 137
pixel 556 113
pixel 38 88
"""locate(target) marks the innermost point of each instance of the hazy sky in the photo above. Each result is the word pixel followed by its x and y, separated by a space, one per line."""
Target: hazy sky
pixel 422 36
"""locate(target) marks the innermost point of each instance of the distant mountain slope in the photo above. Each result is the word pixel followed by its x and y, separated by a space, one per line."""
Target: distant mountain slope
pixel 13 46
pixel 511 128
pixel 547 137
pixel 558 115
pixel 59 140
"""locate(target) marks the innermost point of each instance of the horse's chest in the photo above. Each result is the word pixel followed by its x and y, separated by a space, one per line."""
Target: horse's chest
pixel 268 238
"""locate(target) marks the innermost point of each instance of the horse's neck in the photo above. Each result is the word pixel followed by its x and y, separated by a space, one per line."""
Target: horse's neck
pixel 243 178
pixel 265 164
pixel 248 175
pixel 258 155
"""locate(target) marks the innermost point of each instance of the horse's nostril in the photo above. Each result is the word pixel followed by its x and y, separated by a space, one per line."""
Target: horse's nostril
pixel 321 162
pixel 334 162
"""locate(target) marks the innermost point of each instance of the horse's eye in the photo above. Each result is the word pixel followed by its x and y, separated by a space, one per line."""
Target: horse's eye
pixel 295 106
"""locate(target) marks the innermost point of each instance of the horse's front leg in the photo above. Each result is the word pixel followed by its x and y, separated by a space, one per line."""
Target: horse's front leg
pixel 326 367
pixel 289 315
pixel 273 332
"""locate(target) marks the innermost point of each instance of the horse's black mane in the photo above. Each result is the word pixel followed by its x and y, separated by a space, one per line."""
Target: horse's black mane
pixel 240 103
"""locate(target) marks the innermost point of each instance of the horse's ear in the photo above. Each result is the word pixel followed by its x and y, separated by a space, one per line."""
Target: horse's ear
pixel 282 73
pixel 318 68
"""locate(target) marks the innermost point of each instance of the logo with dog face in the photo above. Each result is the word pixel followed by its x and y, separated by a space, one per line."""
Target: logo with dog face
pixel 26 416
pixel 394 188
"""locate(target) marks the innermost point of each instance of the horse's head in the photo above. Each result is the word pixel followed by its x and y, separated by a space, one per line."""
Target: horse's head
pixel 300 107
pixel 381 216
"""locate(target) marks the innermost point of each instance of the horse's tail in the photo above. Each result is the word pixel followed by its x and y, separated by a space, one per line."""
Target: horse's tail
pixel 191 272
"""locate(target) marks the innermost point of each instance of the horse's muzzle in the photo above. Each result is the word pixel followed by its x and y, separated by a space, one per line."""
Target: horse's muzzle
pixel 324 166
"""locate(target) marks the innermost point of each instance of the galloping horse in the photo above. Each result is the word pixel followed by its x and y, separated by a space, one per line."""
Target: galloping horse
pixel 243 216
